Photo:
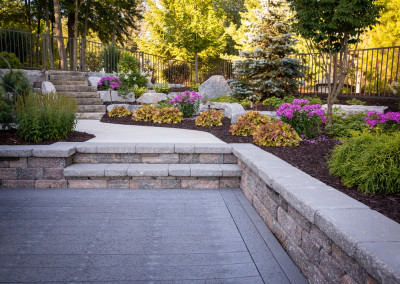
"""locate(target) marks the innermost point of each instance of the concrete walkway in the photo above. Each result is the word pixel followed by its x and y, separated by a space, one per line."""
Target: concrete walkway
pixel 108 132
pixel 141 236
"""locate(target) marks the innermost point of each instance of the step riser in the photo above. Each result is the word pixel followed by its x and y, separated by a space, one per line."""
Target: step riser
pixel 81 94
pixel 69 83
pixel 91 108
pixel 68 78
pixel 61 88
pixel 83 158
pixel 91 115
pixel 67 73
pixel 89 101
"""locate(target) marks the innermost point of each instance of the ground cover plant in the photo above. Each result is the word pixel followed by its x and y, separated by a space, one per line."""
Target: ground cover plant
pixel 119 111
pixel 213 118
pixel 167 115
pixel 145 113
pixel 247 123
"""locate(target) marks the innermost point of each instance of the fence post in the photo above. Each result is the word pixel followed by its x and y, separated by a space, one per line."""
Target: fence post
pixel 44 53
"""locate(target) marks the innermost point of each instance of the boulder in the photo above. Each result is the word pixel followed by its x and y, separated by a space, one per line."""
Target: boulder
pixel 35 77
pixel 105 97
pixel 48 87
pixel 231 110
pixel 93 80
pixel 131 108
pixel 172 95
pixel 152 98
pixel 214 87
pixel 354 109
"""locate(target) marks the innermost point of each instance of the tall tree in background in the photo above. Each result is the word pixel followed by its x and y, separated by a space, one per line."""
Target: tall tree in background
pixel 329 28
pixel 59 32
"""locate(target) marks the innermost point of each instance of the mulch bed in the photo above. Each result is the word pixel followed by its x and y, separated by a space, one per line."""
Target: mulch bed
pixel 308 157
pixel 11 137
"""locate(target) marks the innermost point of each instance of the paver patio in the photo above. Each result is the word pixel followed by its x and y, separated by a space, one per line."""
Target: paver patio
pixel 180 236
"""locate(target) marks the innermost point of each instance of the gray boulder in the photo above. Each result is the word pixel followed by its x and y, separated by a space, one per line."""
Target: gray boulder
pixel 105 97
pixel 152 98
pixel 233 110
pixel 93 80
pixel 131 108
pixel 354 109
pixel 48 87
pixel 214 87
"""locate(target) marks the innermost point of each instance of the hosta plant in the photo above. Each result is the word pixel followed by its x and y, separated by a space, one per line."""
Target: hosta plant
pixel 119 111
pixel 167 115
pixel 215 118
pixel 145 113
pixel 247 123
pixel 276 133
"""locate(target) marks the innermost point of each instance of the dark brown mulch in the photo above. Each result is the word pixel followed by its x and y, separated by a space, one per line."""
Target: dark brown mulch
pixel 308 157
pixel 11 137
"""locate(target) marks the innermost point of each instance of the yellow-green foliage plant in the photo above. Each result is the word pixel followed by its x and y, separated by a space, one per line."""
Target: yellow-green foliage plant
pixel 45 117
pixel 168 115
pixel 119 111
pixel 276 133
pixel 247 123
pixel 145 113
pixel 215 118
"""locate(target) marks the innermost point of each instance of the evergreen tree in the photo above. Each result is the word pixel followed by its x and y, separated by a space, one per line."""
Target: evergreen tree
pixel 267 70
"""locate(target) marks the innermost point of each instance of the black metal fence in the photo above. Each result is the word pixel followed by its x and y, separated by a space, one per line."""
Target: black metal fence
pixel 373 71
pixel 40 51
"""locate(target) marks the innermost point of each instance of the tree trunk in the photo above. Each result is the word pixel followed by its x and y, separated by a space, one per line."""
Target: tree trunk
pixel 28 14
pixel 83 54
pixel 60 38
pixel 196 68
pixel 74 47
pixel 71 32
pixel 48 38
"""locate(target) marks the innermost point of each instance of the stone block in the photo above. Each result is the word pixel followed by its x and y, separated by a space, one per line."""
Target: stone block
pixel 116 148
pixel 160 158
pixel 310 248
pixel 116 170
pixel 299 258
pixel 211 158
pixel 189 158
pixel 231 170
pixel 214 87
pixel 268 202
pixel 230 159
pixel 87 183
pixel 152 98
pixel 130 158
pixel 30 173
pixel 348 264
pixel 62 183
pixel 179 170
pixel 205 170
pixel 318 236
pixel 19 163
pixel 85 170
pixel 212 148
pixel 171 183
pixel 8 173
pixel 17 150
pixel 155 148
pixel 313 274
pixel 53 173
pixel 118 183
pixel 5 162
pixel 199 183
pixel 330 268
pixel 299 219
pixel 149 170
pixel 18 184
pixel 184 148
pixel 48 88
pixel 229 182
pixel 34 162
pixel 289 225
pixel 58 149
pixel 145 183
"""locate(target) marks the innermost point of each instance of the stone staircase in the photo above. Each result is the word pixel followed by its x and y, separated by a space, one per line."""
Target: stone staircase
pixel 153 166
pixel 75 84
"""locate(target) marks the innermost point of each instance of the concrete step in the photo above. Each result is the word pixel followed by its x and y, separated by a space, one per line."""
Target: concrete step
pixel 69 82
pixel 92 108
pixel 66 73
pixel 82 94
pixel 90 115
pixel 68 77
pixel 68 88
pixel 89 101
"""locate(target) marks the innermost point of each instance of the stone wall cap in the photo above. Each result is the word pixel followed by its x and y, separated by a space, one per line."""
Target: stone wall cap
pixel 155 148
pixel 58 149
pixel 212 148
pixel 17 150
pixel 85 170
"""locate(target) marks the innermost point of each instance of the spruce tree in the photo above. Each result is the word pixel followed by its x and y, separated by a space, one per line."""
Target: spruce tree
pixel 268 70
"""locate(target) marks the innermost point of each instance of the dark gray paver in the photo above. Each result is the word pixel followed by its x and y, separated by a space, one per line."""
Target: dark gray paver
pixel 172 236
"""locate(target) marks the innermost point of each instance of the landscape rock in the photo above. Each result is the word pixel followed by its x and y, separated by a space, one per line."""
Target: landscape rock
pixel 214 87
pixel 131 108
pixel 105 97
pixel 94 80
pixel 35 77
pixel 152 98
pixel 231 110
pixel 172 95
pixel 354 109
pixel 48 87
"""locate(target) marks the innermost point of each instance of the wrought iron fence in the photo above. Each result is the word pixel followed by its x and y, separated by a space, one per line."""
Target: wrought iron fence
pixel 373 71
pixel 40 51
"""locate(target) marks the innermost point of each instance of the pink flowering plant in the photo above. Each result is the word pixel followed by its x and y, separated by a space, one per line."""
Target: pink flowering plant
pixel 303 117
pixel 385 121
pixel 187 102
pixel 107 83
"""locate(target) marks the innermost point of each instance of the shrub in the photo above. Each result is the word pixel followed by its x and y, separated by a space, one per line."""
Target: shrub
pixel 395 87
pixel 346 127
pixel 354 101
pixel 187 102
pixel 314 100
pixel 162 88
pixel 273 101
pixel 139 91
pixel 119 111
pixel 224 99
pixel 145 113
pixel 245 103
pixel 12 59
pixel 194 87
pixel 45 117
pixel 167 115
pixel 177 73
pixel 215 117
pixel 14 82
pixel 275 133
pixel 302 116
pixel 386 121
pixel 131 77
pixel 369 162
pixel 247 123
pixel 6 117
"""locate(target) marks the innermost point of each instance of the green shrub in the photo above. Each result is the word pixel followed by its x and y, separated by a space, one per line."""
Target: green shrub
pixel 163 104
pixel 354 101
pixel 6 117
pixel 273 101
pixel 194 87
pixel 45 117
pixel 139 91
pixel 119 111
pixel 162 88
pixel 12 59
pixel 14 82
pixel 368 161
pixel 145 113
pixel 245 103
pixel 132 80
pixel 314 100
pixel 346 127
pixel 215 117
pixel 275 133
pixel 224 99
pixel 247 123
pixel 167 115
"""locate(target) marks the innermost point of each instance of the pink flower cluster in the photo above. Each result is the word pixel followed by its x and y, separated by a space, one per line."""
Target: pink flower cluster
pixel 301 106
pixel 186 97
pixel 112 82
pixel 374 117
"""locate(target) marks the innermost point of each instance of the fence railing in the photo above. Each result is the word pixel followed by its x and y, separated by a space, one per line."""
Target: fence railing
pixel 40 51
pixel 373 71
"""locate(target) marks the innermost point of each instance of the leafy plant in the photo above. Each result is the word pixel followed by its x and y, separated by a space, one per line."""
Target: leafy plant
pixel 273 101
pixel 14 83
pixel 194 87
pixel 131 77
pixel 345 127
pixel 354 101
pixel 275 133
pixel 111 56
pixel 162 88
pixel 167 115
pixel 245 103
pixel 215 117
pixel 386 121
pixel 45 117
pixel 224 99
pixel 119 111
pixel 12 59
pixel 145 113
pixel 187 102
pixel 139 91
pixel 247 123
pixel 6 117
pixel 369 161
pixel 163 104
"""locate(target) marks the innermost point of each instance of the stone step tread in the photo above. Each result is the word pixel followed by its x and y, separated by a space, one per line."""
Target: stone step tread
pixel 68 78
pixel 69 83
pixel 82 94
pixel 66 73
pixel 75 88
pixel 90 115
pixel 92 108
pixel 89 101
pixel 153 170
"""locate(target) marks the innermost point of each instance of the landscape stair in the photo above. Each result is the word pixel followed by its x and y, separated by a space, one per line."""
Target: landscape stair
pixel 75 84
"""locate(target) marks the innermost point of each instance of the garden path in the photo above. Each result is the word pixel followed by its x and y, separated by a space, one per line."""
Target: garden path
pixel 108 132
